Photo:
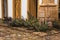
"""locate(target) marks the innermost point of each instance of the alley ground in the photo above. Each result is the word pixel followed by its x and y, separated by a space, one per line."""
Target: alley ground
pixel 7 33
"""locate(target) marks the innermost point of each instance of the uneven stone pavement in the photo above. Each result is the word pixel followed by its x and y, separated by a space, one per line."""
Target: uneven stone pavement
pixel 12 34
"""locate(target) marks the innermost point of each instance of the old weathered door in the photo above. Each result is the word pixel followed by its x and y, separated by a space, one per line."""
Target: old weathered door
pixel 32 7
pixel 48 9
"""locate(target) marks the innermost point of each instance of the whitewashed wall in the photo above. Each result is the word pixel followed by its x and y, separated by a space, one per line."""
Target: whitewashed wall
pixel 24 8
pixel 10 8
pixel 56 2
pixel 0 9
pixel 39 2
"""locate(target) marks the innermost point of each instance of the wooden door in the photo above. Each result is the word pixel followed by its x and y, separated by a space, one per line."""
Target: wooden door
pixel 16 8
pixel 32 7
pixel 4 8
pixel 48 8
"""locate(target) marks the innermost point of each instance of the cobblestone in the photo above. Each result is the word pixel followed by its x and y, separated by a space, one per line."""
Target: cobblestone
pixel 12 34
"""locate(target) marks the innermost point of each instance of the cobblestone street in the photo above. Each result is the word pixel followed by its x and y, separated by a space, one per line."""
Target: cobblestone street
pixel 14 34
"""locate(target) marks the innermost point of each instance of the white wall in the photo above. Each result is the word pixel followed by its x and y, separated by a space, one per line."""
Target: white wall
pixel 39 2
pixel 24 8
pixel 10 8
pixel 0 9
pixel 56 2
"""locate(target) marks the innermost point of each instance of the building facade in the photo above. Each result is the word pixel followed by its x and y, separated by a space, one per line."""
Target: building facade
pixel 41 9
